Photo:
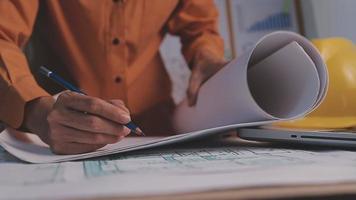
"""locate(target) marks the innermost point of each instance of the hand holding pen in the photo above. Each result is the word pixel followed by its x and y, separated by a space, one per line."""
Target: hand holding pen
pixel 79 123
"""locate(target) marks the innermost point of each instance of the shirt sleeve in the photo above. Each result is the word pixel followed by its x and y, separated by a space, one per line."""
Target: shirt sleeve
pixel 17 85
pixel 196 22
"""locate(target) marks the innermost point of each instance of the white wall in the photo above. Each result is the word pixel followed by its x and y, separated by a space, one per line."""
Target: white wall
pixel 330 18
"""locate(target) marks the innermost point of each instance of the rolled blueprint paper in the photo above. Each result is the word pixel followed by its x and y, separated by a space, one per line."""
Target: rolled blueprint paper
pixel 281 78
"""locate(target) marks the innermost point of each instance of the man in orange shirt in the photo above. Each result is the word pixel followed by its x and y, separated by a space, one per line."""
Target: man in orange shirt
pixel 109 49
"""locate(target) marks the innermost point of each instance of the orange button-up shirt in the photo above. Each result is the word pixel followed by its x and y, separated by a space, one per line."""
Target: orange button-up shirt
pixel 108 48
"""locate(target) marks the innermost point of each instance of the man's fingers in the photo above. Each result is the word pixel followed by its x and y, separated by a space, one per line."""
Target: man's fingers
pixel 193 88
pixel 74 148
pixel 206 64
pixel 120 104
pixel 70 135
pixel 87 122
pixel 80 124
pixel 94 106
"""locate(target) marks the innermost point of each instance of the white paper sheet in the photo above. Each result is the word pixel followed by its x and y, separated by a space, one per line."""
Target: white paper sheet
pixel 282 77
pixel 175 171
pixel 38 152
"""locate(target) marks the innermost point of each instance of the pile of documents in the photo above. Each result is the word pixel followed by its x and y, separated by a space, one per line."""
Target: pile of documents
pixel 187 169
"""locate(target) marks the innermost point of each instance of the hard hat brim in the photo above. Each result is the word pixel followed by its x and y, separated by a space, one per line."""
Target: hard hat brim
pixel 319 123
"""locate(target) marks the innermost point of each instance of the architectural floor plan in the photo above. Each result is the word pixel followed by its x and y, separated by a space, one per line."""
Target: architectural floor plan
pixel 174 170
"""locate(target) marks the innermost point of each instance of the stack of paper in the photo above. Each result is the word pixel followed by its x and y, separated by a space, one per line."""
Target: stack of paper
pixel 177 171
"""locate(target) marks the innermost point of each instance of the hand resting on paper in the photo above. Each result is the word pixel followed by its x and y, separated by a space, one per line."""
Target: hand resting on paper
pixel 77 123
pixel 205 65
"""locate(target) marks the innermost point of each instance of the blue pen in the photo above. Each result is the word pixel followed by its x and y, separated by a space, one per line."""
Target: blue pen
pixel 43 70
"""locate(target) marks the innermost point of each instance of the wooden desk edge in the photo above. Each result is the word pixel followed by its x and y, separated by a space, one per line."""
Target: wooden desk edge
pixel 276 192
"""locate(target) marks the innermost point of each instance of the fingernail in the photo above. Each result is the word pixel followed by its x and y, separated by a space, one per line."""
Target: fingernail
pixel 127 117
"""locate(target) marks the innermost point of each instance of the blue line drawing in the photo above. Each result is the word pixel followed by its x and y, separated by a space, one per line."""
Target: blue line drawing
pixel 273 22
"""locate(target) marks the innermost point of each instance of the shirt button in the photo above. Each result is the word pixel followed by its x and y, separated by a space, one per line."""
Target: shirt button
pixel 118 79
pixel 115 41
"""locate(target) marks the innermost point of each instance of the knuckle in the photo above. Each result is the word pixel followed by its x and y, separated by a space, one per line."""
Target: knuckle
pixel 52 116
pixel 63 96
pixel 91 104
pixel 56 117
pixel 64 99
pixel 93 122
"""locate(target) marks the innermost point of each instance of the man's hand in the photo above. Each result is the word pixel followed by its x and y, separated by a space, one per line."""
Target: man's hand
pixel 205 65
pixel 77 123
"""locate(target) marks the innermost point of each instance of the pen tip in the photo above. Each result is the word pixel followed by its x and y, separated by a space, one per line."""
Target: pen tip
pixel 43 70
pixel 139 132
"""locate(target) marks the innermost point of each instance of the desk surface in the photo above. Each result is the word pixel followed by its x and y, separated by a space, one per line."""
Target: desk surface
pixel 277 192
pixel 331 191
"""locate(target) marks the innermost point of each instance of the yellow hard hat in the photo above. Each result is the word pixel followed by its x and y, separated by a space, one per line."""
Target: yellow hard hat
pixel 338 110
